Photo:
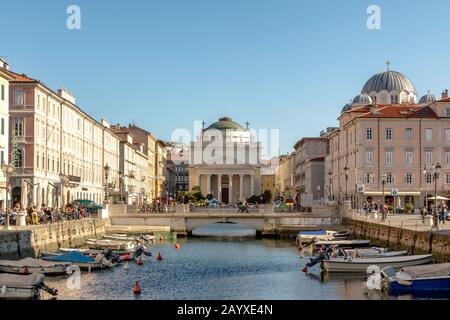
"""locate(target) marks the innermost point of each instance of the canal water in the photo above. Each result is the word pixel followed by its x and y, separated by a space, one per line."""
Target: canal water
pixel 208 268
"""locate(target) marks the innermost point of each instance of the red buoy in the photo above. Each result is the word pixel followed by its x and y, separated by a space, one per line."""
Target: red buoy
pixel 126 257
pixel 177 246
pixel 139 261
pixel 159 257
pixel 137 288
pixel 161 238
pixel 305 269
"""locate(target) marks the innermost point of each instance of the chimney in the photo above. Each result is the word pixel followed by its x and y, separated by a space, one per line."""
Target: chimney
pixel 445 94
pixel 4 63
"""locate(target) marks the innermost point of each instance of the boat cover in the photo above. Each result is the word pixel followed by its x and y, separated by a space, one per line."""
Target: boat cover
pixel 30 262
pixel 313 233
pixel 74 257
pixel 430 270
pixel 13 280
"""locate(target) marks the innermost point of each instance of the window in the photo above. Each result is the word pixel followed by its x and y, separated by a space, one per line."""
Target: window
pixel 409 178
pixel 428 134
pixel 409 158
pixel 408 134
pixel 369 178
pixel 2 93
pixel 19 98
pixel 429 178
pixel 2 127
pixel 37 161
pixel 428 157
pixel 18 158
pixel 394 99
pixel 369 157
pixel 388 157
pixel 447 135
pixel 447 178
pixel 447 112
pixel 389 178
pixel 18 129
pixel 388 134
pixel 369 134
pixel 2 157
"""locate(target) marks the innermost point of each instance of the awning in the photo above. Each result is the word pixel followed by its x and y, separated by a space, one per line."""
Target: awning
pixel 388 193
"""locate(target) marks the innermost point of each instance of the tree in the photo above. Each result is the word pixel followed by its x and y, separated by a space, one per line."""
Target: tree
pixel 267 196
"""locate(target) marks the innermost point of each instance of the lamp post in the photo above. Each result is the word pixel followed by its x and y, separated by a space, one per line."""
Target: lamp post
pixel 346 169
pixel 8 170
pixel 425 173
pixel 436 171
pixel 107 169
pixel 383 183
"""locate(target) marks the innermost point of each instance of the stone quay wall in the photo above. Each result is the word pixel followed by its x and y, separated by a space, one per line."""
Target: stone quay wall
pixel 399 238
pixel 28 241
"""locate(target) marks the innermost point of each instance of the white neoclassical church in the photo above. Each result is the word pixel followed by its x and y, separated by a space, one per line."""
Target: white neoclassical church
pixel 225 162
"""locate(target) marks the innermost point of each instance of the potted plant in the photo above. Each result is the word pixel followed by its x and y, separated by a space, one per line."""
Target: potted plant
pixel 409 208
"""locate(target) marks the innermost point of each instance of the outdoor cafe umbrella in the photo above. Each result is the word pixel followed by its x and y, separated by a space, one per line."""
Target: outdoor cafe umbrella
pixel 438 198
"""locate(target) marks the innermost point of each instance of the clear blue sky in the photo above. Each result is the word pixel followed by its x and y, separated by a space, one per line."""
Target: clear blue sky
pixel 286 64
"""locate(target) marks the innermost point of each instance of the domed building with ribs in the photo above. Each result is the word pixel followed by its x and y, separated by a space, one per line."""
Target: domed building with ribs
pixel 225 162
pixel 388 145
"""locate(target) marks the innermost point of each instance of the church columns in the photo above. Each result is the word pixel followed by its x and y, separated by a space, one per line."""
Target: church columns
pixel 219 187
pixel 230 188
pixel 208 184
pixel 197 180
pixel 252 185
pixel 241 187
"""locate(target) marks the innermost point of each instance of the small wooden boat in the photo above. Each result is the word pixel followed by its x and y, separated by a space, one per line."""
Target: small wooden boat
pixel 343 243
pixel 361 265
pixel 79 259
pixel 373 252
pixel 111 244
pixel 433 278
pixel 23 287
pixel 31 265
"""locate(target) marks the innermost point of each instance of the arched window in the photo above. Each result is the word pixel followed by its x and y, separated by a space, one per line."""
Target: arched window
pixel 18 158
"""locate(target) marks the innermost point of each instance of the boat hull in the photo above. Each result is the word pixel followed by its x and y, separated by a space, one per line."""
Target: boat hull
pixel 362 265
pixel 48 271
pixel 425 285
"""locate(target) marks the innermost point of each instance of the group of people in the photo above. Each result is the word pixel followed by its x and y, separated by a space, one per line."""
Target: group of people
pixel 442 211
pixel 44 214
pixel 155 207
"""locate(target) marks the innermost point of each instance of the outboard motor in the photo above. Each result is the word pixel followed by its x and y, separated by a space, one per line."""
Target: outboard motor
pixel 323 256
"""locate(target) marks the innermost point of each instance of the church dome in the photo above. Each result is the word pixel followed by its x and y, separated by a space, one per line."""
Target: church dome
pixel 346 108
pixel 363 98
pixel 428 98
pixel 225 123
pixel 388 81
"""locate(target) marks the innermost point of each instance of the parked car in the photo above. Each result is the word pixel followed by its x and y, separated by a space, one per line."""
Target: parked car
pixel 91 206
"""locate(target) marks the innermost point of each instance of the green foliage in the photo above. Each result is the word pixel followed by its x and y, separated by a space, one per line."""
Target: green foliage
pixel 267 196
pixel 209 196
pixel 409 207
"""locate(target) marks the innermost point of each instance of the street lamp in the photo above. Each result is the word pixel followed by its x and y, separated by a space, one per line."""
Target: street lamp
pixel 8 170
pixel 436 170
pixel 107 169
pixel 330 173
pixel 383 183
pixel 346 169
pixel 425 173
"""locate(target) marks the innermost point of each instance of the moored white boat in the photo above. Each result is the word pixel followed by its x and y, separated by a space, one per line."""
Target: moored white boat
pixel 343 243
pixel 321 235
pixel 373 253
pixel 111 244
pixel 125 237
pixel 79 259
pixel 361 265
pixel 31 265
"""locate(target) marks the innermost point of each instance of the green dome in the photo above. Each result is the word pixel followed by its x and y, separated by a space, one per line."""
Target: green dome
pixel 225 123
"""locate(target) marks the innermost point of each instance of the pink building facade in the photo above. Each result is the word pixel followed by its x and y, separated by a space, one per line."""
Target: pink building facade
pixel 384 135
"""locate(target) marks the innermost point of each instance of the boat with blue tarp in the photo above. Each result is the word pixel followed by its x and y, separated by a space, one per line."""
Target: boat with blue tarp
pixel 79 259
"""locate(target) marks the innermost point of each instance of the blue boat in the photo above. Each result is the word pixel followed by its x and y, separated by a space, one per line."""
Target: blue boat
pixel 433 278
pixel 76 258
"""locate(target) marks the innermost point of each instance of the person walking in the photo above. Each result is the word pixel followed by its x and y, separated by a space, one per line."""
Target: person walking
pixel 442 212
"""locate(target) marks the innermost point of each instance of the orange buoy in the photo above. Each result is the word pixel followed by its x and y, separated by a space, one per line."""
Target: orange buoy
pixel 305 269
pixel 126 257
pixel 159 257
pixel 25 270
pixel 177 246
pixel 137 288
pixel 139 261
pixel 161 238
